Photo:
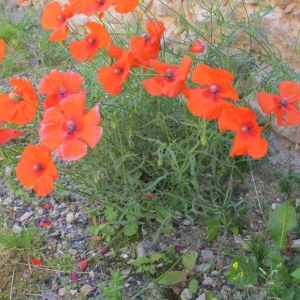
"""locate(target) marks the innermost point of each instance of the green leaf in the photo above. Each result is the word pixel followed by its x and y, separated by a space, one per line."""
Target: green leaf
pixel 156 256
pixel 281 220
pixel 131 229
pixel 141 260
pixel 173 277
pixel 193 286
pixel 234 229
pixel 243 271
pixel 213 228
pixel 110 214
pixel 287 294
pixel 189 260
pixel 296 273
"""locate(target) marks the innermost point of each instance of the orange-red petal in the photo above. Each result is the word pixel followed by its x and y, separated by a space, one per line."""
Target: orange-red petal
pixel 2 49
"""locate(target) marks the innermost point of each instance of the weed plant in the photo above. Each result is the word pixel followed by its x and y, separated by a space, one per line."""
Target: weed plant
pixel 155 156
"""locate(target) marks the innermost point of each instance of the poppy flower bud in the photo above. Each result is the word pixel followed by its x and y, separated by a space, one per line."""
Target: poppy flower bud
pixel 15 97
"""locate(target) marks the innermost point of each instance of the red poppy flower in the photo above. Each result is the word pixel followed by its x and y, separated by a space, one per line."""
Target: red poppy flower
pixel 283 106
pixel 20 105
pixel 6 134
pixel 172 81
pixel 208 102
pixel 69 129
pixel 55 17
pixel 112 78
pixel 58 86
pixel 124 6
pixel 198 47
pixel 36 169
pixel 88 7
pixel 89 46
pixel 247 139
pixel 147 46
pixel 2 49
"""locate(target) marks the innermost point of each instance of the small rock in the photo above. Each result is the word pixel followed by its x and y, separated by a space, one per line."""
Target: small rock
pixel 202 267
pixel 26 216
pixel 40 212
pixel 17 229
pixel 185 294
pixel 54 214
pixel 126 285
pixel 124 255
pixel 72 252
pixel 295 245
pixel 201 297
pixel 92 274
pixel 71 236
pixel 160 265
pixel 125 271
pixel 86 289
pixel 74 207
pixel 186 222
pixel 274 205
pixel 7 170
pixel 144 232
pixel 61 292
pixel 208 281
pixel 207 255
pixel 139 283
pixel 70 217
pixel 140 250
pixel 73 292
pixel 219 264
pixel 7 201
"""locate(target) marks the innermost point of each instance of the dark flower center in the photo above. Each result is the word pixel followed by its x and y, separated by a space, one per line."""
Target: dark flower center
pixel 71 125
pixel 61 17
pixel 91 40
pixel 283 102
pixel 62 91
pixel 169 74
pixel 100 2
pixel 213 88
pixel 37 168
pixel 245 128
pixel 118 71
pixel 146 36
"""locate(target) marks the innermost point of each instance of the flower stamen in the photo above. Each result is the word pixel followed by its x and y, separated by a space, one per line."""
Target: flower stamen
pixel 213 88
pixel 71 125
pixel 283 102
pixel 169 74
pixel 245 128
pixel 37 168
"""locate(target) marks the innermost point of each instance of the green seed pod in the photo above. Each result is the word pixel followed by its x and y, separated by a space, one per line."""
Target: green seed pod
pixel 179 30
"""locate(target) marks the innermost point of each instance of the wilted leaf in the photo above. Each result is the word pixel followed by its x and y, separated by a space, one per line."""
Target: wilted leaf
pixel 81 264
pixel 173 277
pixel 45 223
pixel 35 261
pixel 74 277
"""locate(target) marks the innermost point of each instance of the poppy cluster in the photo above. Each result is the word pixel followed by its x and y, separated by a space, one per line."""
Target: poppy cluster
pixel 55 17
pixel 68 128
